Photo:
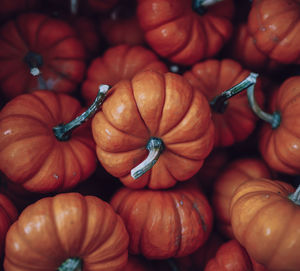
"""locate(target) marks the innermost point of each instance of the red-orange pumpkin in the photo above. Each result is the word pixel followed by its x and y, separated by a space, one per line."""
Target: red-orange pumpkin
pixel 235 121
pixel 67 228
pixel 10 8
pixel 235 173
pixel 275 27
pixel 117 63
pixel 31 153
pixel 44 46
pixel 265 220
pixel 164 223
pixel 153 111
pixel 184 36
pixel 8 215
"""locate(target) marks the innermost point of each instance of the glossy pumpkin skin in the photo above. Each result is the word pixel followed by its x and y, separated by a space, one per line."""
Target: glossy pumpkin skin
pixel 117 63
pixel 30 152
pixel 235 173
pixel 63 55
pixel 178 33
pixel 68 225
pixel 212 77
pixel 151 105
pixel 8 215
pixel 262 213
pixel 275 26
pixel 164 223
pixel 280 147
pixel 242 48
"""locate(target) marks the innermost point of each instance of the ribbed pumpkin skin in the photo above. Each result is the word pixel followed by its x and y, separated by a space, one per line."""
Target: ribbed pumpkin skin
pixel 236 173
pixel 8 215
pixel 261 213
pixel 31 154
pixel 117 63
pixel 164 223
pixel 178 33
pixel 54 229
pixel 212 77
pixel 280 146
pixel 275 26
pixel 63 55
pixel 157 105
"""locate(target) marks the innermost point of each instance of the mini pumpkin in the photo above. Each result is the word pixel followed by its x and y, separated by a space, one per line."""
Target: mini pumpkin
pixel 67 232
pixel 158 112
pixel 164 223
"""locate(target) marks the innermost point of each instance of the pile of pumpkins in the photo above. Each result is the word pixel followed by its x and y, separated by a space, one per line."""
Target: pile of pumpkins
pixel 150 135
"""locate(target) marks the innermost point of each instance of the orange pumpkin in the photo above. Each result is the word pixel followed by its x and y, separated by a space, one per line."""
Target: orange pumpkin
pixel 158 112
pixel 275 27
pixel 117 63
pixel 185 31
pixel 164 223
pixel 37 149
pixel 39 52
pixel 67 230
pixel 265 220
pixel 8 215
pixel 236 173
pixel 235 120
pixel 279 141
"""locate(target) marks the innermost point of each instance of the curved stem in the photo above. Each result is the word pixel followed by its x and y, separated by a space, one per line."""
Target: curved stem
pixel 274 119
pixel 74 4
pixel 155 147
pixel 200 5
pixel 172 265
pixel 71 264
pixel 295 197
pixel 63 131
pixel 219 103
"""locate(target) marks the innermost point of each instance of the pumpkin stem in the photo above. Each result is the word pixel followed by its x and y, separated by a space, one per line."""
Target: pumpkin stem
pixel 63 131
pixel 155 147
pixel 200 5
pixel 295 197
pixel 74 6
pixel 172 265
pixel 34 62
pixel 71 264
pixel 219 103
pixel 274 119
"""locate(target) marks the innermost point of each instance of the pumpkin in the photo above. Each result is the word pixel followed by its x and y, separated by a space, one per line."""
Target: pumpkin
pixel 242 48
pixel 235 173
pixel 136 264
pixel 164 223
pixel 8 215
pixel 67 230
pixel 231 256
pixel 10 8
pixel 117 63
pixel 275 27
pixel 101 5
pixel 39 52
pixel 234 120
pixel 37 148
pixel 198 259
pixel 265 220
pixel 279 141
pixel 153 130
pixel 185 31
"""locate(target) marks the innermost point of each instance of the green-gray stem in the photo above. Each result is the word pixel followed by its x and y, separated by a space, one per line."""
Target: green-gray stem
pixel 219 103
pixel 172 265
pixel 155 147
pixel 71 264
pixel 274 119
pixel 295 197
pixel 200 5
pixel 74 6
pixel 63 131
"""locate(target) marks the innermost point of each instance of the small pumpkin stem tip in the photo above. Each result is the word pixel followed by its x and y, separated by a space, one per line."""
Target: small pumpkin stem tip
pixel 295 197
pixel 63 131
pixel 155 147
pixel 200 5
pixel 219 103
pixel 74 6
pixel 71 264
